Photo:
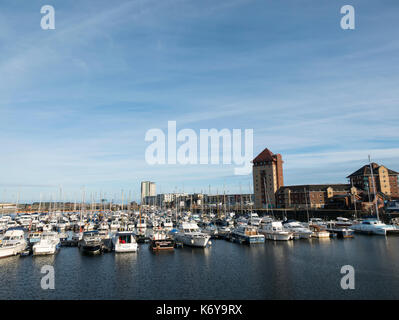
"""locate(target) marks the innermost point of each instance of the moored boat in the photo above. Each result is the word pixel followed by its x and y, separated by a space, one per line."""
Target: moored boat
pixel 274 231
pixel 340 231
pixel 247 234
pixel 319 231
pixel 13 242
pixel 189 234
pixel 124 241
pixel 161 241
pixel 299 231
pixel 373 226
pixel 49 244
pixel 91 242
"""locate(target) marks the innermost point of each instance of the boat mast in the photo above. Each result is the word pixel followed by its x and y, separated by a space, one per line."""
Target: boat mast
pixel 375 194
pixel 40 202
pixel 241 198
pixel 264 187
pixel 354 202
pixel 306 201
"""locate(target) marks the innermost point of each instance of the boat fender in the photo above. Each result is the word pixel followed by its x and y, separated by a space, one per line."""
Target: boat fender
pixel 192 241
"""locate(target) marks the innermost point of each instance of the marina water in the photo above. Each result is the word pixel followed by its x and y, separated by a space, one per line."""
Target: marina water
pixel 304 269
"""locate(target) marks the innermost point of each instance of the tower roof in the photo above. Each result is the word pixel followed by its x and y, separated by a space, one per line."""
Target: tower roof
pixel 265 155
pixel 365 171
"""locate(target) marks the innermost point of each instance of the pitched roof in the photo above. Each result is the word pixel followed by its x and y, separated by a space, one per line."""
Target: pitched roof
pixel 365 171
pixel 318 187
pixel 265 155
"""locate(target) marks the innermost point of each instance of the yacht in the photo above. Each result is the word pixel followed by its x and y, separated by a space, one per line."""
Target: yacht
pixel 372 226
pixel 13 242
pixel 3 227
pixel 211 230
pixel 299 231
pixel 247 234
pixel 141 224
pixel 168 224
pixel 253 219
pixel 224 232
pixel 317 222
pixel 91 242
pixel 319 231
pixel 274 230
pixel 34 237
pixel 63 236
pixel 12 224
pixel 124 241
pixel 161 241
pixel 77 236
pixel 189 234
pixel 340 231
pixel 115 225
pixel 49 243
pixel 242 221
pixel 343 222
pixel 24 221
pixel 103 230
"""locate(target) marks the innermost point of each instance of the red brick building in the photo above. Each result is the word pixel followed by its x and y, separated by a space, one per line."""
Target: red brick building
pixel 314 195
pixel 267 172
pixel 385 180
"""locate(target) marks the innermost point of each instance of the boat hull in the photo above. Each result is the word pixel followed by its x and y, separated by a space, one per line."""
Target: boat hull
pixel 277 236
pixel 124 248
pixel 43 251
pixel 200 242
pixel 161 245
pixel 92 249
pixel 12 251
pixel 254 239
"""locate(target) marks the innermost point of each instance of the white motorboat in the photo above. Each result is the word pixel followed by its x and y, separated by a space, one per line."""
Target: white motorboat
pixel 12 243
pixel 115 225
pixel 190 234
pixel 319 231
pixel 168 224
pixel 12 224
pixel 254 219
pixel 373 226
pixel 211 230
pixel 242 221
pixel 247 234
pixel 299 231
pixel 34 237
pixel 124 241
pixel 49 244
pixel 77 236
pixel 3 227
pixel 24 221
pixel 224 231
pixel 141 224
pixel 342 222
pixel 91 242
pixel 274 230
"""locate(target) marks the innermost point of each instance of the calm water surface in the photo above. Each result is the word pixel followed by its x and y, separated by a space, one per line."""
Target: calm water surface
pixel 304 269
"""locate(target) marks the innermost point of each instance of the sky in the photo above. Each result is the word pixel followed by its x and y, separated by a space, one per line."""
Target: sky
pixel 77 101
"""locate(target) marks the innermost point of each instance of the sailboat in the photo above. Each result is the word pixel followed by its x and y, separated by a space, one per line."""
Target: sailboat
pixel 373 226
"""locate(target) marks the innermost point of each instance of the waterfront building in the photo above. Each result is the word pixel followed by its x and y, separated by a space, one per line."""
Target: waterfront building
pixel 147 190
pixel 315 195
pixel 267 172
pixel 385 180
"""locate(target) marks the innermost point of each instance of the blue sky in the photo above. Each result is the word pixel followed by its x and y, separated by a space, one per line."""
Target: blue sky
pixel 76 102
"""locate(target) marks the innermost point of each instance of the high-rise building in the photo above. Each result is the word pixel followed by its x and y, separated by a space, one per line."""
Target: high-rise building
pixel 267 172
pixel 147 190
